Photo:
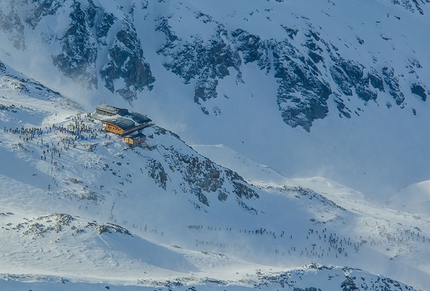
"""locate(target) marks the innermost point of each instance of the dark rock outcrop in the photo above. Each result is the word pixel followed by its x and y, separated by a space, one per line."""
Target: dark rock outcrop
pixel 78 57
pixel 200 177
pixel 126 62
pixel 83 41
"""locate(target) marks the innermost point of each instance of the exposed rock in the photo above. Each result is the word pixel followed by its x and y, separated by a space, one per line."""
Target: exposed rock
pixel 412 5
pixel 419 90
pixel 201 177
pixel 302 96
pixel 310 70
pixel 82 41
pixel 352 279
pixel 393 83
pixel 77 59
pixel 109 228
pixel 205 61
pixel 10 23
pixel 108 19
pixel 157 172
pixel 2 67
pixel 44 224
pixel 41 9
pixel 126 62
pixel 349 74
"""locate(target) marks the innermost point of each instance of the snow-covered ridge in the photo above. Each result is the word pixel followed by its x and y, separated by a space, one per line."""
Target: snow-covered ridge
pixel 84 207
pixel 253 77
pixel 345 278
pixel 339 70
pixel 211 217
pixel 314 64
pixel 86 42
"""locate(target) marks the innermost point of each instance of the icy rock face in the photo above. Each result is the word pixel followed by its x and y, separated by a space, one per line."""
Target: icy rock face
pixel 42 9
pixel 207 62
pixel 302 96
pixel 340 279
pixel 63 222
pixel 412 5
pixel 126 62
pixel 200 176
pixel 309 70
pixel 79 47
pixel 82 41
pixel 94 46
pixel 11 24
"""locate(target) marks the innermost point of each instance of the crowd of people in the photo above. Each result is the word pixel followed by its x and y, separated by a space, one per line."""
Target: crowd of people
pixel 79 128
pixel 53 140
pixel 315 244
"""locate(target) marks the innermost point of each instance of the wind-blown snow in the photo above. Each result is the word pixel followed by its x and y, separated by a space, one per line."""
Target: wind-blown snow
pixel 90 213
pixel 93 214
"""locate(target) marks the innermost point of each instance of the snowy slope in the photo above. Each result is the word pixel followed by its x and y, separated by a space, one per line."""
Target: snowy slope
pixel 254 77
pixel 413 199
pixel 92 212
pixel 332 96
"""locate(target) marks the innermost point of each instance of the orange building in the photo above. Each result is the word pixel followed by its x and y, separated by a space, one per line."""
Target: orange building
pixel 120 121
pixel 135 140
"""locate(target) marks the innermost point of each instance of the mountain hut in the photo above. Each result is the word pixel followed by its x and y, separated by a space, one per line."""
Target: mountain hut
pixel 120 121
pixel 135 139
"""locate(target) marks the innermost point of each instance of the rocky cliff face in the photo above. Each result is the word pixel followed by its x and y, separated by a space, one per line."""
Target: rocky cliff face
pixel 88 36
pixel 412 5
pixel 12 25
pixel 126 62
pixel 95 44
pixel 204 180
pixel 77 59
pixel 309 70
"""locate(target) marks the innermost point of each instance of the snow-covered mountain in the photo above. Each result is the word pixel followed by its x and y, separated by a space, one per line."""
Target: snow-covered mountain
pixel 325 92
pixel 330 53
pixel 328 84
pixel 81 209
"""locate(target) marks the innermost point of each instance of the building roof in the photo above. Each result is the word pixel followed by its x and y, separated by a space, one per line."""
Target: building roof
pixel 122 118
pixel 106 109
pixel 123 123
pixel 109 113
pixel 139 118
